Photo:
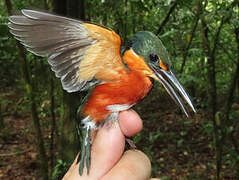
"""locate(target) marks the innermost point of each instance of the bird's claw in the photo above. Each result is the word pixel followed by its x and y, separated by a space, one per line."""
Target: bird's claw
pixel 131 143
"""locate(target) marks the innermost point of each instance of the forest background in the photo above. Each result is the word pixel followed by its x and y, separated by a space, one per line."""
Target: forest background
pixel 37 118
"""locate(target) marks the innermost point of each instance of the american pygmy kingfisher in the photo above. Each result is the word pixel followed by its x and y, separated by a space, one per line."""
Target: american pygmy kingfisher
pixel 88 56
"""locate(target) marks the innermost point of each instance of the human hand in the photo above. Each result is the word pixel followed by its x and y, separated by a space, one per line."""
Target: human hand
pixel 108 159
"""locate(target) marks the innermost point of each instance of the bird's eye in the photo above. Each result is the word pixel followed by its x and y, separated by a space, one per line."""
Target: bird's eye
pixel 154 58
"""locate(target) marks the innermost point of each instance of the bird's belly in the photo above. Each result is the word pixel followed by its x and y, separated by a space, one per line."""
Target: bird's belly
pixel 128 91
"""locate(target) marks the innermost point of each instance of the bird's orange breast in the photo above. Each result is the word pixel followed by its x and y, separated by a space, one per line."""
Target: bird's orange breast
pixel 131 88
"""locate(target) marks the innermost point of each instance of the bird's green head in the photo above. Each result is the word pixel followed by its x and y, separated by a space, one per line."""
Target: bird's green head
pixel 148 46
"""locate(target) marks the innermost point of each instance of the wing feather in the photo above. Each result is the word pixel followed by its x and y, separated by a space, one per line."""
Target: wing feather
pixel 59 58
pixel 80 54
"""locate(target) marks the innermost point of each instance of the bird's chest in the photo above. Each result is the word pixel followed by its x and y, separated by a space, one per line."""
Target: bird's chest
pixel 128 90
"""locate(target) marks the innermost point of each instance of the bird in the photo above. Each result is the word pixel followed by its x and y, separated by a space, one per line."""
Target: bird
pixel 86 56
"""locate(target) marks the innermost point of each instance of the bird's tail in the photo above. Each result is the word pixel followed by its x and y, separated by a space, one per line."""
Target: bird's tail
pixel 84 157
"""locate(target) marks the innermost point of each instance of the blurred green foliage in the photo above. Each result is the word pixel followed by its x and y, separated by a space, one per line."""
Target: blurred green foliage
pixel 126 18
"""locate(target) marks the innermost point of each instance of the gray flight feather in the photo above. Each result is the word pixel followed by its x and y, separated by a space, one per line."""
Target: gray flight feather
pixel 63 40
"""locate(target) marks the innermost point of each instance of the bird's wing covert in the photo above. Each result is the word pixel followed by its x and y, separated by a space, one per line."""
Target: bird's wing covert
pixel 81 54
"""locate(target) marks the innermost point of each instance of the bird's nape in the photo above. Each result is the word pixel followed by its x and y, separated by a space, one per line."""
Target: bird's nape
pixel 169 80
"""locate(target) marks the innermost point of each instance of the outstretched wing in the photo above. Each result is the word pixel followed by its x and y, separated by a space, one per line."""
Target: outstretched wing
pixel 81 54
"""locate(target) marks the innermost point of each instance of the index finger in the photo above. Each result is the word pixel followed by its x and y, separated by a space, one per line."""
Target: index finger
pixel 130 122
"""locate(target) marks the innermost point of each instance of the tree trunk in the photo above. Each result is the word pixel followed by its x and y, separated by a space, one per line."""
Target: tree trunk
pixel 185 55
pixel 210 52
pixel 125 21
pixel 53 122
pixel 1 116
pixel 234 81
pixel 76 9
pixel 212 90
pixel 59 7
pixel 34 114
pixel 232 89
pixel 166 18
pixel 68 139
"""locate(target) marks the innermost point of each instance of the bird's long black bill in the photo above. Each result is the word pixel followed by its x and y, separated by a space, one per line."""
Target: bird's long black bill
pixel 167 78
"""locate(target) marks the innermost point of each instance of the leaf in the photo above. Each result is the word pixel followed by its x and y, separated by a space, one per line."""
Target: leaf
pixel 217 118
pixel 189 36
pixel 173 31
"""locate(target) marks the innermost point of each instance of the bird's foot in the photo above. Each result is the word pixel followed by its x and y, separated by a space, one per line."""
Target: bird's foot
pixel 110 120
pixel 131 143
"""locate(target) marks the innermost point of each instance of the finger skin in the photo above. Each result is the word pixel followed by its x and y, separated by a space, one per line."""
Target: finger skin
pixel 73 172
pixel 130 123
pixel 133 165
pixel 110 142
pixel 107 148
